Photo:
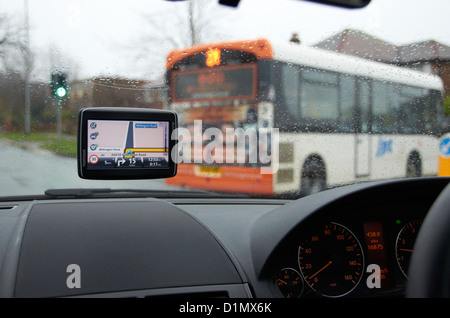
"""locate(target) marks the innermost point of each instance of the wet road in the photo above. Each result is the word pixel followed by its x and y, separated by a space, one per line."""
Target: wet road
pixel 24 172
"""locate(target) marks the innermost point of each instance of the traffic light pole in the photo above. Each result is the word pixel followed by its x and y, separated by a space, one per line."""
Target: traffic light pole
pixel 27 105
pixel 58 118
pixel 56 102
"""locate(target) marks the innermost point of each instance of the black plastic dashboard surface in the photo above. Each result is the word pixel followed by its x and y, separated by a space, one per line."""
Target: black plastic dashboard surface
pixel 118 246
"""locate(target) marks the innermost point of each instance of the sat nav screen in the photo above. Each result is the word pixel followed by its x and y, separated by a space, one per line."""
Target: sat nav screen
pixel 124 144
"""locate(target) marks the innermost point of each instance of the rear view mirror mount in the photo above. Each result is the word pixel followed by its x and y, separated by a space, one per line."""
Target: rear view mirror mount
pixel 126 143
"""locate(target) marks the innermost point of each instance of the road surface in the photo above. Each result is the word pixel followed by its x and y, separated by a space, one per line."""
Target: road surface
pixel 32 171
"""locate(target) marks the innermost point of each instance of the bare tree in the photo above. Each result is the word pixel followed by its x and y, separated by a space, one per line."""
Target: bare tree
pixel 16 62
pixel 186 24
pixel 12 45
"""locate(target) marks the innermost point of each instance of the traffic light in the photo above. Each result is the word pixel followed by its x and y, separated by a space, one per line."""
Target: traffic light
pixel 59 85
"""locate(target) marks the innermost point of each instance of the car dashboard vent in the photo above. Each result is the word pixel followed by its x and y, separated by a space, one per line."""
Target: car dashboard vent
pixel 7 207
pixel 207 291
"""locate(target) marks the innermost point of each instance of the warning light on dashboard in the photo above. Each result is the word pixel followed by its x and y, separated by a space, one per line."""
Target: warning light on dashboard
pixel 212 57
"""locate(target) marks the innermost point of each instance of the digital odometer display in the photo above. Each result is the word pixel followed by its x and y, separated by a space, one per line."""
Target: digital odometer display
pixel 127 144
pixel 331 260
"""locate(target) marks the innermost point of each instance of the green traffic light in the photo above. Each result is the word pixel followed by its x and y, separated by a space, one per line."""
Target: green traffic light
pixel 61 92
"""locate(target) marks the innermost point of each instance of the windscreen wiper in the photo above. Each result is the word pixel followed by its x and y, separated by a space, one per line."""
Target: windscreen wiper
pixel 107 192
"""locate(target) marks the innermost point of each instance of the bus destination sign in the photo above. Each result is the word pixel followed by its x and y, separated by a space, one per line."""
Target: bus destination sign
pixel 214 84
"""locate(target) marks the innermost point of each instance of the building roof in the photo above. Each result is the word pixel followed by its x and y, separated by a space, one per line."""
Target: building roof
pixel 424 51
pixel 354 42
pixel 358 43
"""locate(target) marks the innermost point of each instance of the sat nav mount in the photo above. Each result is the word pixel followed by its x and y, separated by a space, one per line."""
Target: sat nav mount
pixel 126 143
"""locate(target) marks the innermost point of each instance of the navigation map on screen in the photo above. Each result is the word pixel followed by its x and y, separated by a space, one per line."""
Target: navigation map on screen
pixel 114 144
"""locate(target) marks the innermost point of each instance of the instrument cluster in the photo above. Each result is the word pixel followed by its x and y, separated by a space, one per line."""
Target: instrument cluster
pixel 358 254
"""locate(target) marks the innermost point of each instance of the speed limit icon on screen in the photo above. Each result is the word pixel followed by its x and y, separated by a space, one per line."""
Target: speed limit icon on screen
pixel 93 159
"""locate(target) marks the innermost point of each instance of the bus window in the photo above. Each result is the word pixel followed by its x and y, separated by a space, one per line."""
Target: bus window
pixel 346 103
pixel 433 114
pixel 364 106
pixel 384 112
pixel 411 117
pixel 319 95
pixel 290 76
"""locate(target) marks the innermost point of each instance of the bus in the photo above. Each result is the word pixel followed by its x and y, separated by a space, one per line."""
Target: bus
pixel 340 119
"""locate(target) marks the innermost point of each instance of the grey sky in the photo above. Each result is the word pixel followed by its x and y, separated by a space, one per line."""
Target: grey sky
pixel 93 32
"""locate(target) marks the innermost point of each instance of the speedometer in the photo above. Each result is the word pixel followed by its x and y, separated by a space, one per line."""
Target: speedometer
pixel 331 260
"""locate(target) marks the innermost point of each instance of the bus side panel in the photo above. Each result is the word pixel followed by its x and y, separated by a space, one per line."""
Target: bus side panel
pixel 233 179
pixel 429 150
pixel 336 151
pixel 390 155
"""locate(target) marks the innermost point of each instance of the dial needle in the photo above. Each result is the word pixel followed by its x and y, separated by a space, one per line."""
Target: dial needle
pixel 328 264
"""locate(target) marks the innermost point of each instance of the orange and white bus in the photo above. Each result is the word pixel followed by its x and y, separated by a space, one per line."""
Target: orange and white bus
pixel 341 119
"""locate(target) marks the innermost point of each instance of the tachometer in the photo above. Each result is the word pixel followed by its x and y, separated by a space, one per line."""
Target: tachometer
pixel 405 243
pixel 289 282
pixel 331 260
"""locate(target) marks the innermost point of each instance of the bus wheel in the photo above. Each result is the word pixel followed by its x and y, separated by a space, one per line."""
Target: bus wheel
pixel 414 166
pixel 313 178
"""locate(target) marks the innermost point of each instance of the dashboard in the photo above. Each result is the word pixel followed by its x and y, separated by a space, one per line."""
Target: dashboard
pixel 353 241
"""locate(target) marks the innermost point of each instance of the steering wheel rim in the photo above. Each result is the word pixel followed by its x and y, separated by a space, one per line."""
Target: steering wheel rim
pixel 429 270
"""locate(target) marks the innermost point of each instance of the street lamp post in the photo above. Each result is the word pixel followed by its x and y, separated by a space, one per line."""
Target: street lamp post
pixel 27 73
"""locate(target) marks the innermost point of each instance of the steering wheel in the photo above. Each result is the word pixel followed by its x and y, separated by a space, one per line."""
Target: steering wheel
pixel 429 270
